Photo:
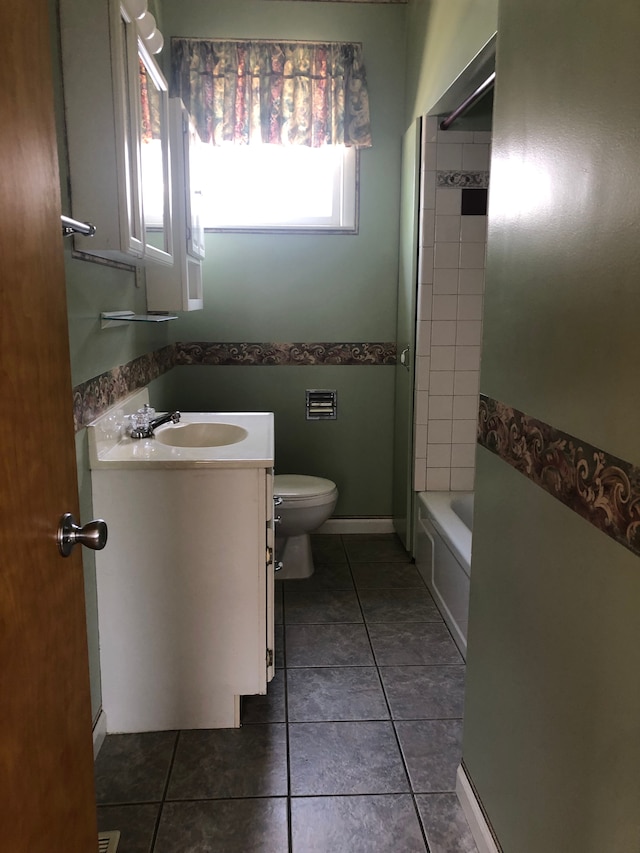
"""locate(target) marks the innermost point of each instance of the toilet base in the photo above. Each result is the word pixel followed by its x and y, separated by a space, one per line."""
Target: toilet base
pixel 295 554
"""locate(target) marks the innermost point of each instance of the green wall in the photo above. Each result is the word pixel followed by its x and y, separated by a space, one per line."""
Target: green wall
pixel 311 287
pixel 553 699
pixel 92 288
pixel 345 450
pixel 443 36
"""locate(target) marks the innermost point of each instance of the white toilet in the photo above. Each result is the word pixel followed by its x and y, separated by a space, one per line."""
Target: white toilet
pixel 305 504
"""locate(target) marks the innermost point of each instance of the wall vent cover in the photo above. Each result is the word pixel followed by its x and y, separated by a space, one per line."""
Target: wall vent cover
pixel 108 841
pixel 322 405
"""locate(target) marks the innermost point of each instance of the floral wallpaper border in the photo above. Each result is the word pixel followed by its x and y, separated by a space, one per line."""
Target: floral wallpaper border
pixel 464 180
pixel 602 488
pixel 94 396
pixel 287 354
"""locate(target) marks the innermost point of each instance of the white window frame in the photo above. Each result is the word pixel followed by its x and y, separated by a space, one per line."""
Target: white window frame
pixel 341 219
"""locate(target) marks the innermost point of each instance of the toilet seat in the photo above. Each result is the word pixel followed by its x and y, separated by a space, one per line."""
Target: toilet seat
pixel 300 489
pixel 303 504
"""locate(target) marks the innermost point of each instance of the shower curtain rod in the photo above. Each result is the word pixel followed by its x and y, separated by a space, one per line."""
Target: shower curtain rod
pixel 446 123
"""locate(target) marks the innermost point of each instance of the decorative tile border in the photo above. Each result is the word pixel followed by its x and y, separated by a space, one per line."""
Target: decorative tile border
pixel 286 354
pixel 464 180
pixel 92 398
pixel 603 489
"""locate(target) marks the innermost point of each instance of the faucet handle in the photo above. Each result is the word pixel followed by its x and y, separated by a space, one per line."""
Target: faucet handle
pixel 139 421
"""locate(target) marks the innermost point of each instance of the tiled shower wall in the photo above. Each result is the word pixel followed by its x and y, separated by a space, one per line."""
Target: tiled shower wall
pixel 452 246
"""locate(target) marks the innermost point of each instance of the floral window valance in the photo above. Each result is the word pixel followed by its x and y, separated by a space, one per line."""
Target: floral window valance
pixel 282 93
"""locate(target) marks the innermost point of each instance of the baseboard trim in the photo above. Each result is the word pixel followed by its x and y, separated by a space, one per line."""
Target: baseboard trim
pixel 373 524
pixel 99 733
pixel 485 842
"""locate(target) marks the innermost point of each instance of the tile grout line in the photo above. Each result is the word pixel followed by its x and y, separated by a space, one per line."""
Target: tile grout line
pixel 391 717
pixel 414 794
pixel 286 721
pixel 156 828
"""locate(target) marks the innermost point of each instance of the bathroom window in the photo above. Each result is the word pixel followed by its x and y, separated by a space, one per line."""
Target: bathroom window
pixel 282 124
pixel 275 187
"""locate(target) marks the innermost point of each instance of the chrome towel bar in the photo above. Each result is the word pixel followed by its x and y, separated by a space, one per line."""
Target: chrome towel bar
pixel 72 226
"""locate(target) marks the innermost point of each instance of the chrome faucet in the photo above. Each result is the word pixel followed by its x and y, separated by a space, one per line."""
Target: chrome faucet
pixel 147 430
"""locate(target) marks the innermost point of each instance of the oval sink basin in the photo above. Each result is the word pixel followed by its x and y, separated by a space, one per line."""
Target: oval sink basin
pixel 201 435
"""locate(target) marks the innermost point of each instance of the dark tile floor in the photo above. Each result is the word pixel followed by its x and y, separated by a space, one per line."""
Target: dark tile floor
pixel 354 750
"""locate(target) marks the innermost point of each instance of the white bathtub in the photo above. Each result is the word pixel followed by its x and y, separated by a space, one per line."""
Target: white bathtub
pixel 443 555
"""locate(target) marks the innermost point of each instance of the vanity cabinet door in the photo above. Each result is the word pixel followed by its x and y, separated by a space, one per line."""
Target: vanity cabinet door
pixel 184 592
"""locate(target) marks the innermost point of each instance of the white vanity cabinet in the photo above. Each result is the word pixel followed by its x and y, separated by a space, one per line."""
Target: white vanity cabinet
pixel 186 582
pixel 116 113
pixel 179 287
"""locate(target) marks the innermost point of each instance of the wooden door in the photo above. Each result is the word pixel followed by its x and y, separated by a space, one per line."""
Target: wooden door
pixel 47 799
pixel 405 337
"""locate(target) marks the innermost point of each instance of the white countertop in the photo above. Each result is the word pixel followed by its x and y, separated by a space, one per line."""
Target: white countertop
pixel 108 449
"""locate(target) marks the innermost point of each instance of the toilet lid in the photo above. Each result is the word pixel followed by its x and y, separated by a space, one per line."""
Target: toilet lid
pixel 298 486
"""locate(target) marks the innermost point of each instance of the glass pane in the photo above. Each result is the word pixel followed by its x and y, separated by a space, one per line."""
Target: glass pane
pixel 152 166
pixel 273 186
pixel 130 166
pixel 194 167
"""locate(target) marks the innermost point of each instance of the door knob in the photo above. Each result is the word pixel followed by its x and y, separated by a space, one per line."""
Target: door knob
pixel 92 535
pixel 404 358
